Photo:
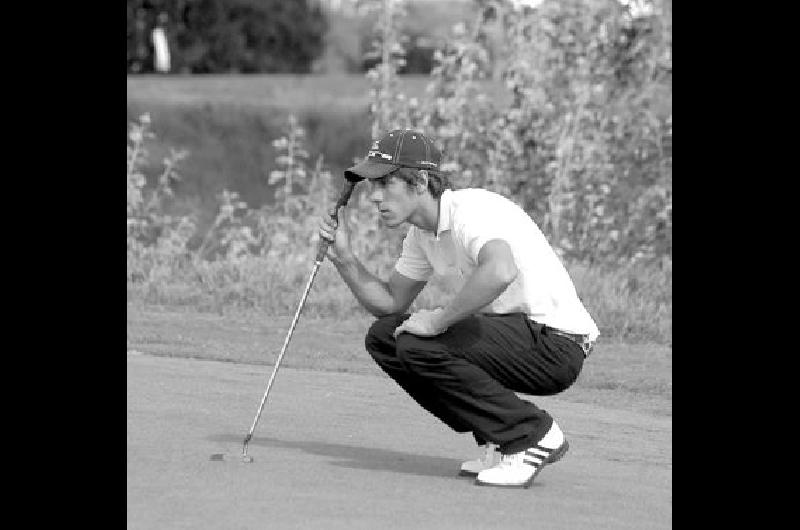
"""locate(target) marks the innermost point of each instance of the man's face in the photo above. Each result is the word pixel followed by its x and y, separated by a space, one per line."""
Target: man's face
pixel 395 201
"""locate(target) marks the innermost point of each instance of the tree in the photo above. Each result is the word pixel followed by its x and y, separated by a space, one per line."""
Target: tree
pixel 217 36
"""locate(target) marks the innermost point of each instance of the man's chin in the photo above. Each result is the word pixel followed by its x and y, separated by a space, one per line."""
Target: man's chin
pixel 391 222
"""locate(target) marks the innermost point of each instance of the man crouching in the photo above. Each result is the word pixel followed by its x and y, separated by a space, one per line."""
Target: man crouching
pixel 516 325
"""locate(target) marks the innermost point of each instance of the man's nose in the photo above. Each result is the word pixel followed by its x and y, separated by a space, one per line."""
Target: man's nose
pixel 376 195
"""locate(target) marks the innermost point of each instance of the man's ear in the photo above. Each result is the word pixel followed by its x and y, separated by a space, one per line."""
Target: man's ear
pixel 422 183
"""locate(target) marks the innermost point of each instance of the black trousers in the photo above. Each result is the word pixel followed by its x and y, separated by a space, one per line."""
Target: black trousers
pixel 467 377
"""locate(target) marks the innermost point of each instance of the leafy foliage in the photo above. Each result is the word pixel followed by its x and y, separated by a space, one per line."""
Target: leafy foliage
pixel 156 240
pixel 585 143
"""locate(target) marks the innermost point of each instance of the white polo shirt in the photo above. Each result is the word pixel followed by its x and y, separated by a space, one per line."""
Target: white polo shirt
pixel 468 218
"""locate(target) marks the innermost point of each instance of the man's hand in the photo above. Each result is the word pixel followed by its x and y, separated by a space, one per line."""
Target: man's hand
pixel 423 323
pixel 338 233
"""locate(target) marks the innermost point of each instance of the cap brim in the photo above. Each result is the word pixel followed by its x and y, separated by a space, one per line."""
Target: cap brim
pixel 368 169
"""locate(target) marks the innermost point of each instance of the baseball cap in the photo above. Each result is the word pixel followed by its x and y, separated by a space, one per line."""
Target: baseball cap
pixel 398 148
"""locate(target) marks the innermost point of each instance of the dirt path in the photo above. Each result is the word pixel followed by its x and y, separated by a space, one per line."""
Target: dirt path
pixel 340 450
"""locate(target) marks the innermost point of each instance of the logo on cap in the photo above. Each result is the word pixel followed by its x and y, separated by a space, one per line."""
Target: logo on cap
pixel 379 154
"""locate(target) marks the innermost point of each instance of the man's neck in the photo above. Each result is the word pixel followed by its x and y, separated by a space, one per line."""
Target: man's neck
pixel 426 216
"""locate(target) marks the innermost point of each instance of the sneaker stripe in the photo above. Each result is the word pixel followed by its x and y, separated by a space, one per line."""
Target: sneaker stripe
pixel 539 452
pixel 532 461
pixel 532 457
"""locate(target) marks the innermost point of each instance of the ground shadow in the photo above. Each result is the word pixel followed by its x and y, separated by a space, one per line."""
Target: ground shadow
pixel 357 457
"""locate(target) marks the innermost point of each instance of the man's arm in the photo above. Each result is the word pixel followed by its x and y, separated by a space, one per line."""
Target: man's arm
pixel 378 297
pixel 495 271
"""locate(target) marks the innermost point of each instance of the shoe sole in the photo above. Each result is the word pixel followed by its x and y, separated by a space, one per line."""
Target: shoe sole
pixel 555 456
pixel 525 485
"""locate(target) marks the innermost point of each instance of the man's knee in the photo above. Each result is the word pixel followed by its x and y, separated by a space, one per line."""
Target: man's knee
pixel 381 333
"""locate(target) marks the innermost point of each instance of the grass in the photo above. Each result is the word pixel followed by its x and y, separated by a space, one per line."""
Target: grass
pixel 618 375
pixel 629 304
pixel 632 302
pixel 284 91
pixel 293 93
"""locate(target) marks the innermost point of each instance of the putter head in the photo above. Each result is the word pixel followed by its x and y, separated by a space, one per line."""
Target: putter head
pixel 219 457
pixel 245 457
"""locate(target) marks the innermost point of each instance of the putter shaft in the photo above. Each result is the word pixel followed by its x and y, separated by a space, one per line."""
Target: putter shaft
pixel 317 263
pixel 344 196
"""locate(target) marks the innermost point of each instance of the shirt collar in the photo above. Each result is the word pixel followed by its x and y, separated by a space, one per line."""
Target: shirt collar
pixel 445 217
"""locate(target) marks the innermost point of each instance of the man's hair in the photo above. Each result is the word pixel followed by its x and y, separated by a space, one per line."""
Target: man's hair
pixel 437 182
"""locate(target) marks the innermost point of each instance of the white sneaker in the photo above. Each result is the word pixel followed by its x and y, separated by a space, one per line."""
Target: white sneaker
pixel 491 456
pixel 517 470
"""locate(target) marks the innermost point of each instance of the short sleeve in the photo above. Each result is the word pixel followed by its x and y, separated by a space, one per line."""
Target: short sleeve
pixel 472 229
pixel 412 262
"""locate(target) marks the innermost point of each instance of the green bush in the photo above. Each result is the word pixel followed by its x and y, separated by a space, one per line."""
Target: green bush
pixel 585 143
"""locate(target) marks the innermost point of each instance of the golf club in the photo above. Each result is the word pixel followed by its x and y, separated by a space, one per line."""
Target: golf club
pixel 322 249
